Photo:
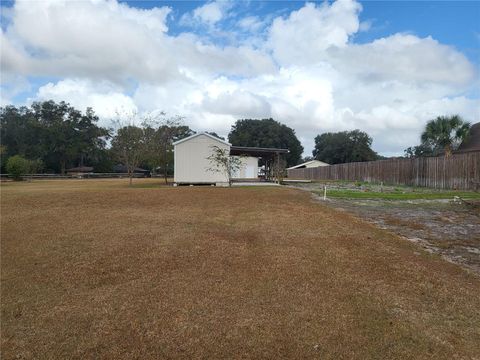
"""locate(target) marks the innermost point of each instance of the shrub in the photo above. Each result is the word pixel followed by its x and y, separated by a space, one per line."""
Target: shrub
pixel 17 166
pixel 35 166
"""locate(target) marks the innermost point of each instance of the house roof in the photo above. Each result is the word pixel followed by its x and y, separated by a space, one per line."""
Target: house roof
pixel 305 164
pixel 123 169
pixel 198 134
pixel 256 151
pixel 472 143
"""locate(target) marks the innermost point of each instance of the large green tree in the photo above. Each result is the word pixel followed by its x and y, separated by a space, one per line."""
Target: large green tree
pixel 20 133
pixel 267 133
pixel 55 133
pixel 420 151
pixel 445 132
pixel 344 147
pixel 68 135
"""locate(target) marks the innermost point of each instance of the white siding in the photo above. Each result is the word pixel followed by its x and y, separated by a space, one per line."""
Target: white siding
pixel 249 169
pixel 191 163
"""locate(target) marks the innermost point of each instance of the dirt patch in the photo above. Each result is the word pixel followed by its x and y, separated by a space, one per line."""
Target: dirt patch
pixel 449 227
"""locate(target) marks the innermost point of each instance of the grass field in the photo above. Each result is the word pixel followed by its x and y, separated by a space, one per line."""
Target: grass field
pixel 94 269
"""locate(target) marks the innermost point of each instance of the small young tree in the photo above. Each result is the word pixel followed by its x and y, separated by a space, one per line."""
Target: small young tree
pixel 128 144
pixel 161 134
pixel 278 168
pixel 129 147
pixel 222 162
pixel 17 166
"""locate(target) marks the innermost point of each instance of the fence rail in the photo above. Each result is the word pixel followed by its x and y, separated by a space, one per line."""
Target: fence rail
pixel 77 176
pixel 459 171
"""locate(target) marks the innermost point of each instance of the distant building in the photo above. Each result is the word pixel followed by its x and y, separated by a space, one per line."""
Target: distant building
pixel 309 164
pixel 79 171
pixel 472 143
pixel 122 169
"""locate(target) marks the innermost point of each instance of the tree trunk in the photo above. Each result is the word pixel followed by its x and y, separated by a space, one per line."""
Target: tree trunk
pixel 63 166
pixel 130 175
pixel 448 151
pixel 165 176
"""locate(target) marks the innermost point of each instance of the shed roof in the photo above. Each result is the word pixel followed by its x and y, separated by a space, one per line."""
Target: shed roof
pixel 198 134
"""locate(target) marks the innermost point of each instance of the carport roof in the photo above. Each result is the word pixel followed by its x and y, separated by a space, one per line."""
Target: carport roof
pixel 256 151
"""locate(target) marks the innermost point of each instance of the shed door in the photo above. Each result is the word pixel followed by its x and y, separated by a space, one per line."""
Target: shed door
pixel 250 171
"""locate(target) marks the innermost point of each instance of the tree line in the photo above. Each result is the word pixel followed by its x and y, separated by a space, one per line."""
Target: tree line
pixel 52 137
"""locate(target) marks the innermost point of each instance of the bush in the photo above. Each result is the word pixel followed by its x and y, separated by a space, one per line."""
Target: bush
pixel 17 166
pixel 35 166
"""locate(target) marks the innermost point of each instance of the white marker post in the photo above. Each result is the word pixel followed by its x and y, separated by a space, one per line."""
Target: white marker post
pixel 325 192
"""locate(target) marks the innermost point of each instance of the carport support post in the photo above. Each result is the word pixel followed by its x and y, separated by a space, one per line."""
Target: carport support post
pixel 277 168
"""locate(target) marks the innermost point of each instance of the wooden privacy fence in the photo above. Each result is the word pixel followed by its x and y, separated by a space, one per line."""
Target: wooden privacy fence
pixel 459 171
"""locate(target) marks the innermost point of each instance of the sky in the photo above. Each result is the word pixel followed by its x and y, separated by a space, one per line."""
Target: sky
pixel 384 67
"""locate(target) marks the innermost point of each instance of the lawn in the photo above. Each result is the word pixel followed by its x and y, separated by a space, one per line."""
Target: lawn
pixel 94 269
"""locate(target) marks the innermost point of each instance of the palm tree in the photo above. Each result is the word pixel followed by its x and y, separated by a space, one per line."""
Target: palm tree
pixel 445 132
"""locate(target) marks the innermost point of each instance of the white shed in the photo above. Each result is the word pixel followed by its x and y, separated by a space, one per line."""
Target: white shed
pixel 192 165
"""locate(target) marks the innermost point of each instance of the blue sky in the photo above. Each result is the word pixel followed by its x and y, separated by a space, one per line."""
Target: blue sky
pixel 385 67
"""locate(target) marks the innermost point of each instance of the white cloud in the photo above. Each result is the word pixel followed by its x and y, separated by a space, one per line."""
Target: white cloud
pixel 365 25
pixel 306 33
pixel 209 13
pixel 307 73
pixel 115 42
pixel 105 98
pixel 251 23
pixel 404 58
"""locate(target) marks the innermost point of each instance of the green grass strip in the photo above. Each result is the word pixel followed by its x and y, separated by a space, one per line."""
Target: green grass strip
pixel 357 194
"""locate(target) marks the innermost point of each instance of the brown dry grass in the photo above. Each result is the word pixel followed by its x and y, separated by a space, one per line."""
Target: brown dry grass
pixel 93 269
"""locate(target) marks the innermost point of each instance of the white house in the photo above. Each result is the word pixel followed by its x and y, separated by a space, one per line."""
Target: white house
pixel 191 164
pixel 309 164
